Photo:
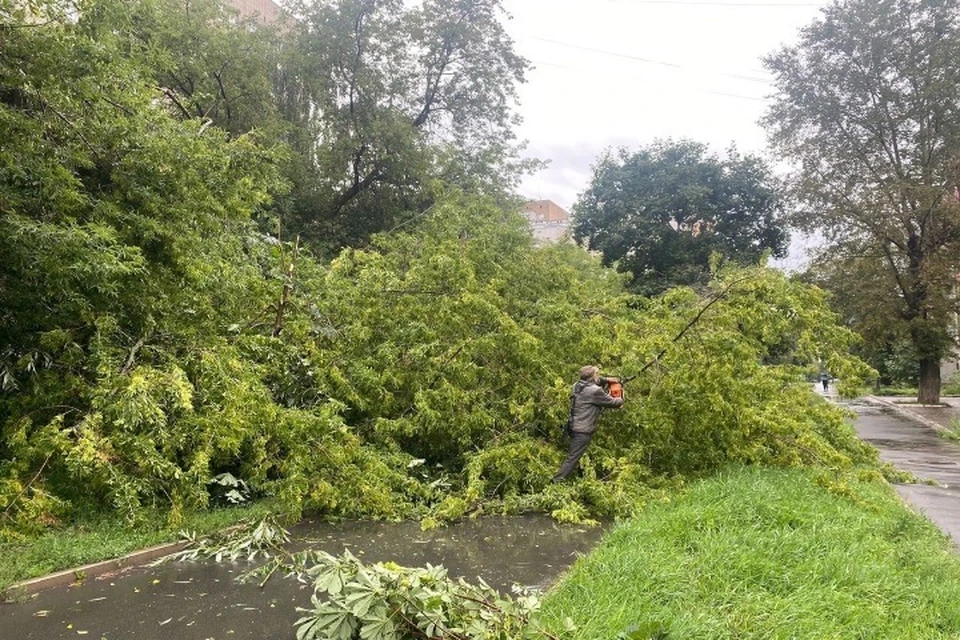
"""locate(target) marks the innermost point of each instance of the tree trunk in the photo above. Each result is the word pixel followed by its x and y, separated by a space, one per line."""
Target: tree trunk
pixel 355 189
pixel 287 288
pixel 929 391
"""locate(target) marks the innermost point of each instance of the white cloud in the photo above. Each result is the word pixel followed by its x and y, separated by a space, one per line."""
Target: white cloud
pixel 630 71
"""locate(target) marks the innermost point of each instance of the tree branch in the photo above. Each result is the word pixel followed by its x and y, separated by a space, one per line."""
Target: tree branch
pixel 176 101
pixel 713 300
pixel 132 357
pixel 26 487
pixel 355 189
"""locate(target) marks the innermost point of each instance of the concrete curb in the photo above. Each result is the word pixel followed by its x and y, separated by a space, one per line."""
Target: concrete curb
pixel 905 411
pixel 70 576
pixel 78 574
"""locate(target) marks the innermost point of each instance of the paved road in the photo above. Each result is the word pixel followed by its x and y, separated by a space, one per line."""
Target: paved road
pixel 203 602
pixel 916 447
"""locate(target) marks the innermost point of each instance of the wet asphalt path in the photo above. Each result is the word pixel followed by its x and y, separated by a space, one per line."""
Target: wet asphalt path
pixel 185 601
pixel 915 447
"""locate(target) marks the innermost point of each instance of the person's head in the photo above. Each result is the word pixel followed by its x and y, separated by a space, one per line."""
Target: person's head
pixel 589 372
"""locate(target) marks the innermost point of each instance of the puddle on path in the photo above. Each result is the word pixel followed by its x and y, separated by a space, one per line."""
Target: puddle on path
pixel 527 550
pixel 934 462
pixel 202 601
pixel 898 445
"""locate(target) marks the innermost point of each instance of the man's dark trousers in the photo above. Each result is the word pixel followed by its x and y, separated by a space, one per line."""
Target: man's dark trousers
pixel 578 444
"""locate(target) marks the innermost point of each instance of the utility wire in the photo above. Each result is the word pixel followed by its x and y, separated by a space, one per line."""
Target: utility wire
pixel 763 5
pixel 608 53
pixel 662 63
pixel 582 70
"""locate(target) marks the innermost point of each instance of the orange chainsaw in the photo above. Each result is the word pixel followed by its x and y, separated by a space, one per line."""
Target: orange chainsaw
pixel 614 386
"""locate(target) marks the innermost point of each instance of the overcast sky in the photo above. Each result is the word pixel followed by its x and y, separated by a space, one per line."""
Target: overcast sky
pixel 625 72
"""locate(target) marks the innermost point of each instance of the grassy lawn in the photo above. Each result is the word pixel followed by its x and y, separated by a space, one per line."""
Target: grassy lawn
pixel 950 387
pixel 96 540
pixel 766 554
pixel 906 392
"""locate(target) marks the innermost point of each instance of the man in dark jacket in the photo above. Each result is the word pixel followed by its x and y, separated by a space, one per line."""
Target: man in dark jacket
pixel 588 400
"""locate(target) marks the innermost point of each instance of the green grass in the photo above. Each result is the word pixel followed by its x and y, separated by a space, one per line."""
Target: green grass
pixel 951 387
pixel 948 388
pixel 951 432
pixel 766 554
pixel 894 391
pixel 105 538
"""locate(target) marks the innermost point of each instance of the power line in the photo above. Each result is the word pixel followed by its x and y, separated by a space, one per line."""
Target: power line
pixel 719 93
pixel 763 5
pixel 735 95
pixel 609 53
pixel 663 63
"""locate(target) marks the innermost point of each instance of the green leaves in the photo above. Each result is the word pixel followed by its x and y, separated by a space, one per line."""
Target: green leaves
pixel 249 541
pixel 327 577
pixel 663 212
pixel 328 621
pixel 384 601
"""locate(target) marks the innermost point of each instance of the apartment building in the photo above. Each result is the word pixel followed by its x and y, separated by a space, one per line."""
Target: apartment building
pixel 265 11
pixel 951 364
pixel 549 222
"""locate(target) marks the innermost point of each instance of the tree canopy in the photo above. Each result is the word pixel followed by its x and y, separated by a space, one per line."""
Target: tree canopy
pixel 388 99
pixel 154 335
pixel 866 107
pixel 660 213
pixel 378 102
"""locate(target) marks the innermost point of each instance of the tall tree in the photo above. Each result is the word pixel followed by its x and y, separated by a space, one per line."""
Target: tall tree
pixel 384 94
pixel 662 212
pixel 210 63
pixel 127 253
pixel 867 107
pixel 378 100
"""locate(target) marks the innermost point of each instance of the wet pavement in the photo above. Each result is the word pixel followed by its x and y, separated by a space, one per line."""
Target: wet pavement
pixel 916 447
pixel 202 601
pixel 943 416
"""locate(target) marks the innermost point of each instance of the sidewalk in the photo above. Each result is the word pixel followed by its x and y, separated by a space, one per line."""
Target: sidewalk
pixel 936 417
pixel 203 601
pixel 908 437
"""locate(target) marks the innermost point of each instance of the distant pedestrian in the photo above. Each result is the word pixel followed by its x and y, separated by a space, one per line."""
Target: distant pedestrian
pixel 587 400
pixel 825 380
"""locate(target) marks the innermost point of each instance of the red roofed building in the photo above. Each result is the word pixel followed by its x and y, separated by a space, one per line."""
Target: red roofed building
pixel 266 11
pixel 549 221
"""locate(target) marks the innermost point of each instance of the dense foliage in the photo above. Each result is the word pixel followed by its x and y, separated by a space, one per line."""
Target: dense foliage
pixel 389 97
pixel 377 100
pixel 154 337
pixel 662 212
pixel 866 107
